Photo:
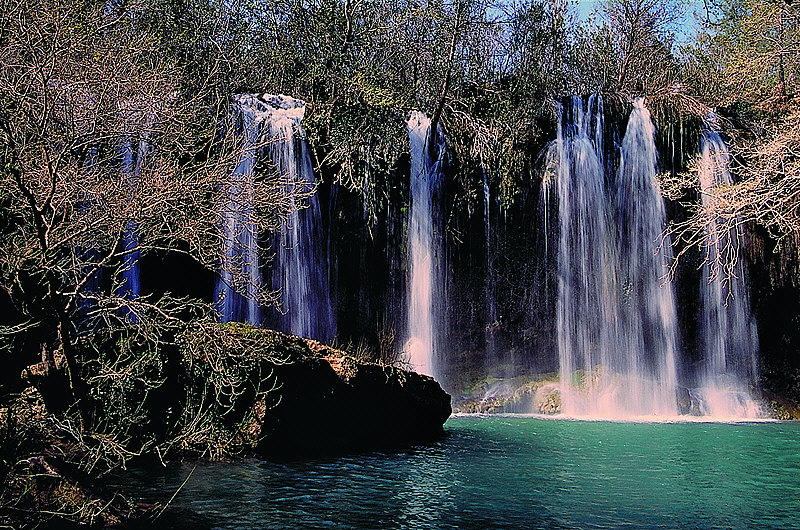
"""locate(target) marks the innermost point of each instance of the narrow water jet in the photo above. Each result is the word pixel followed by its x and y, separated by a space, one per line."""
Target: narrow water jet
pixel 240 276
pixel 423 255
pixel 491 357
pixel 133 156
pixel 491 304
pixel 302 270
pixel 130 287
pixel 727 327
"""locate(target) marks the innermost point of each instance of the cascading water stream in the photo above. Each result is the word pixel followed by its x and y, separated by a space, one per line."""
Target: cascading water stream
pixel 491 305
pixel 130 268
pixel 423 286
pixel 240 276
pixel 616 318
pixel 302 270
pixel 727 328
pixel 133 156
pixel 270 126
pixel 585 312
pixel 490 287
pixel 648 315
pixel 91 257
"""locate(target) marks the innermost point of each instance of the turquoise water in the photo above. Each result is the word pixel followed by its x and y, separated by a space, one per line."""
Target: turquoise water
pixel 514 472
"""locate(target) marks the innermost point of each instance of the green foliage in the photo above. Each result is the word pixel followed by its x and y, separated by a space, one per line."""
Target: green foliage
pixel 747 53
pixel 362 146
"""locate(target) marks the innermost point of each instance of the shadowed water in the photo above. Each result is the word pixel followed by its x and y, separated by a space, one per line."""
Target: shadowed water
pixel 269 129
pixel 133 155
pixel 515 472
pixel 302 269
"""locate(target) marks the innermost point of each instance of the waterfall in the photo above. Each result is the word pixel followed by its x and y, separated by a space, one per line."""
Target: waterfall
pixel 130 266
pixel 490 286
pixel 423 283
pixel 89 256
pixel 133 156
pixel 615 315
pixel 240 276
pixel 648 316
pixel 270 128
pixel 302 269
pixel 727 328
pixel 586 314
pixel 491 305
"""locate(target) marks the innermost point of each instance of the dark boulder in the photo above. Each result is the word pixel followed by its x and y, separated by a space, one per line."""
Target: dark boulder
pixel 318 399
pixel 328 407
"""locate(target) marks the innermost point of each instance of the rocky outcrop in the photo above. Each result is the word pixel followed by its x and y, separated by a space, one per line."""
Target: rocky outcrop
pixel 515 396
pixel 312 398
pixel 780 407
pixel 330 403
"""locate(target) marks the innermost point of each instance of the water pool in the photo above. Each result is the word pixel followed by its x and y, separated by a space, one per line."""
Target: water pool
pixel 512 472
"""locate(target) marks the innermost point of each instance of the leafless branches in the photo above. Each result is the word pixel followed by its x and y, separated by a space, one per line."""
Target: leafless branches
pixel 108 134
pixel 766 193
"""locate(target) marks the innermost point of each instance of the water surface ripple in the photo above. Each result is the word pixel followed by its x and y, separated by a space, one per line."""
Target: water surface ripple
pixel 513 472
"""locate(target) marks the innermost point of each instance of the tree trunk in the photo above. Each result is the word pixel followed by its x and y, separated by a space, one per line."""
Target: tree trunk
pixel 437 113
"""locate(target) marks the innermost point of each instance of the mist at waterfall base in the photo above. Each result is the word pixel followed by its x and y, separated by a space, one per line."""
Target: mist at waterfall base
pixel 579 274
pixel 512 472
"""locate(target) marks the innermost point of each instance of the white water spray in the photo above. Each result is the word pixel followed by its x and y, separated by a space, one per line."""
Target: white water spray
pixel 422 247
pixel 727 328
pixel 270 128
pixel 616 318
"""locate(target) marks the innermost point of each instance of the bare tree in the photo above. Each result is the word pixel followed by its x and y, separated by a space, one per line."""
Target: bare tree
pixel 642 31
pixel 107 135
pixel 747 59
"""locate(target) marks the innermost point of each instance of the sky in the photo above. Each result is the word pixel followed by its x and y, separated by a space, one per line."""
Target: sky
pixel 693 11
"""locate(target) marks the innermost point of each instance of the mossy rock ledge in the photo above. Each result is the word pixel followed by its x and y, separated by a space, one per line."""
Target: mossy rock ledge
pixel 309 398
